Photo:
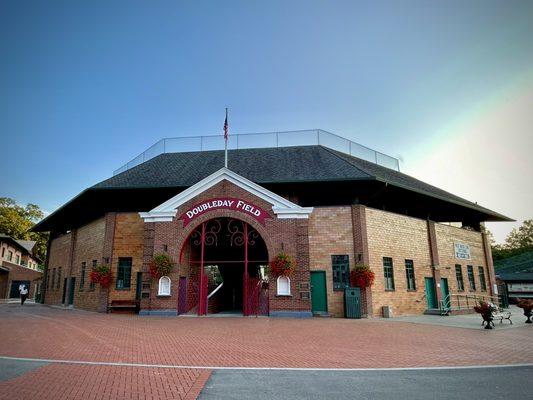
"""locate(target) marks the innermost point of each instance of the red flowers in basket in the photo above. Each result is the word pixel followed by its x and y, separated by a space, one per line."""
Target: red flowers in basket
pixel 484 308
pixel 282 265
pixel 161 265
pixel 362 276
pixel 101 274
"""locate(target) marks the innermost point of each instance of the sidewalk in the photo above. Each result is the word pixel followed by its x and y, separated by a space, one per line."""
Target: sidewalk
pixel 469 321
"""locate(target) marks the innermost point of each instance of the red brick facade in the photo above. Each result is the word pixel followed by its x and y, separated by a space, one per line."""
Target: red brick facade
pixel 364 234
pixel 12 272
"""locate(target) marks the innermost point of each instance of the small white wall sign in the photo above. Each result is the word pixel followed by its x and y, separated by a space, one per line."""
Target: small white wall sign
pixel 462 251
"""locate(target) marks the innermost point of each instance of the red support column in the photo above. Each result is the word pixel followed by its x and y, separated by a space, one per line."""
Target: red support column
pixel 246 311
pixel 202 302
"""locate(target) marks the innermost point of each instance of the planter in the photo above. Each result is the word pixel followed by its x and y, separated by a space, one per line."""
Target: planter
pixel 487 319
pixel 527 306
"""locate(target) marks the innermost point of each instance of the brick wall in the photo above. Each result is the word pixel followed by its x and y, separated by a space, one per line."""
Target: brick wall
pixel 286 235
pixel 446 237
pixel 331 233
pixel 399 237
pixel 69 251
pixel 88 247
pixel 128 241
pixel 18 273
pixel 58 257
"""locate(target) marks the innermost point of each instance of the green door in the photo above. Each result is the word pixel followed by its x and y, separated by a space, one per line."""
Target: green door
pixel 71 291
pixel 445 292
pixel 431 295
pixel 319 302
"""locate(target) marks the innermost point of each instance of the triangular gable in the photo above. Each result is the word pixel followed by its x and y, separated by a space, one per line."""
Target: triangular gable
pixel 282 207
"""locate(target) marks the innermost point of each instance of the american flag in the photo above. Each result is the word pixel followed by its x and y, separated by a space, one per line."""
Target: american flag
pixel 226 132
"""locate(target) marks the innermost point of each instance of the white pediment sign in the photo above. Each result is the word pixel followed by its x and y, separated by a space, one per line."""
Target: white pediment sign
pixel 282 208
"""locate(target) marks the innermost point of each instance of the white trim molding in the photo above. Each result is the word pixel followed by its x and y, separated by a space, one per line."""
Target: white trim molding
pixel 282 208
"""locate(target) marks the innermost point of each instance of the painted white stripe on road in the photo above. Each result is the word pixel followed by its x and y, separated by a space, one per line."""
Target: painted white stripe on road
pixel 124 364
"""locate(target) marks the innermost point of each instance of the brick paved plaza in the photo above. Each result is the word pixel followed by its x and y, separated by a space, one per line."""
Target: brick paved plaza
pixel 44 333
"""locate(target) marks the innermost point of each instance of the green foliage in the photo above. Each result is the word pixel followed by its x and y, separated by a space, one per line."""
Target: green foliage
pixel 522 237
pixel 16 221
pixel 161 265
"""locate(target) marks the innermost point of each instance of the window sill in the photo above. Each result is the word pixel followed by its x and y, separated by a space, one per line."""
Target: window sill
pixel 164 295
pixel 284 295
pixel 390 290
pixel 409 290
pixel 123 289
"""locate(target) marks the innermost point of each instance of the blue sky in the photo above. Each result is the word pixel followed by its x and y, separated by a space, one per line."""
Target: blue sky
pixel 86 86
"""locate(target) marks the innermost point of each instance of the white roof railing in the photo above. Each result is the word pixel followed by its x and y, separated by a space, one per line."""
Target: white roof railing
pixel 262 140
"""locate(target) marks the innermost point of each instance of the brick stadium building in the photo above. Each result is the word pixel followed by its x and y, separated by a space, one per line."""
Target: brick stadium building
pixel 327 202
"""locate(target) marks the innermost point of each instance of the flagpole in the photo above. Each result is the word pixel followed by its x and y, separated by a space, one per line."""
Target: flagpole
pixel 226 141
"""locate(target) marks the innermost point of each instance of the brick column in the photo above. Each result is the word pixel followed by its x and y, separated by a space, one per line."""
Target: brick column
pixel 46 271
pixel 303 273
pixel 360 250
pixel 68 273
pixel 148 254
pixel 490 265
pixel 434 253
pixel 107 257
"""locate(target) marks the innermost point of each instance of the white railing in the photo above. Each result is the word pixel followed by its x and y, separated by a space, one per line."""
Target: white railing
pixel 262 140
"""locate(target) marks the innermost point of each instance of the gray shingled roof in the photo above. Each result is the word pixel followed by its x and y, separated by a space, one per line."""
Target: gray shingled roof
pixel 265 165
pixel 27 244
pixel 273 165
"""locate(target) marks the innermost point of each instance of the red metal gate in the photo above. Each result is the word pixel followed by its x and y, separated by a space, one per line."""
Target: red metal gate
pixel 240 234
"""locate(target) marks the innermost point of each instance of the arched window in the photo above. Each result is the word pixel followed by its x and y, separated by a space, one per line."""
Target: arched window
pixel 284 286
pixel 164 286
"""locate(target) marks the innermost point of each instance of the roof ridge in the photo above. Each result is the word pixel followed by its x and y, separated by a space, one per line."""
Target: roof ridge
pixel 334 152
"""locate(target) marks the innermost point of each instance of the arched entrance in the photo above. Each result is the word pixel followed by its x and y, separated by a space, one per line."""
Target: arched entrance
pixel 227 260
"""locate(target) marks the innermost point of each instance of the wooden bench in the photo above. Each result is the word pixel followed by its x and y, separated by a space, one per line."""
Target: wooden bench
pixel 124 306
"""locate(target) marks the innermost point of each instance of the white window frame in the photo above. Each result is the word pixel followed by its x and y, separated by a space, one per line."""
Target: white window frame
pixel 159 289
pixel 288 292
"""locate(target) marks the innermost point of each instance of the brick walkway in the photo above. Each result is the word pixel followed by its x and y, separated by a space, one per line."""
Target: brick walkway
pixel 42 332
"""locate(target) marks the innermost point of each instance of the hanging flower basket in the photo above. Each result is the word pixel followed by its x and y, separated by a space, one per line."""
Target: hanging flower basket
pixel 101 274
pixel 527 306
pixel 161 265
pixel 282 265
pixel 362 276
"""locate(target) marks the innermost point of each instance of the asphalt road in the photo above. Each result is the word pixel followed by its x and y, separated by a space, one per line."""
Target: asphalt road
pixel 10 369
pixel 479 383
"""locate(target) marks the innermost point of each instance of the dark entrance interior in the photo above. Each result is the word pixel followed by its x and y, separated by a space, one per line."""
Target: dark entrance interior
pixel 14 291
pixel 234 260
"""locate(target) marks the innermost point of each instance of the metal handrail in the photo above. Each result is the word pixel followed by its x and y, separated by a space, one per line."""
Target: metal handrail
pixel 263 140
pixel 214 291
pixel 446 304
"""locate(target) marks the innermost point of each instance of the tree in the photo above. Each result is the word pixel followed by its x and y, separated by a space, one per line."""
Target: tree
pixel 517 242
pixel 16 221
pixel 522 237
